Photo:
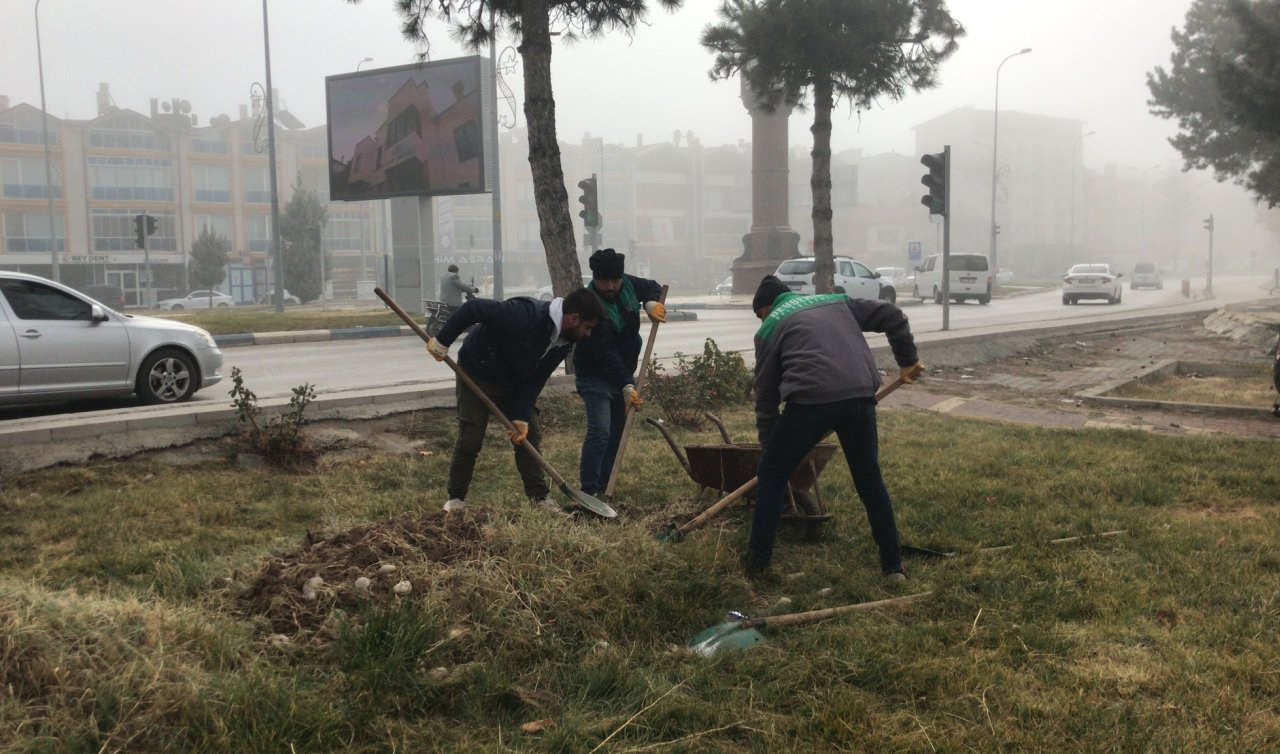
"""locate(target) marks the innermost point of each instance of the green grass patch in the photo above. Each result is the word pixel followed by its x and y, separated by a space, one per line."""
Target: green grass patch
pixel 121 627
pixel 254 319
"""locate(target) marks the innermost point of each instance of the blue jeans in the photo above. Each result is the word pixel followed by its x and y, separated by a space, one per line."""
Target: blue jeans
pixel 606 416
pixel 797 430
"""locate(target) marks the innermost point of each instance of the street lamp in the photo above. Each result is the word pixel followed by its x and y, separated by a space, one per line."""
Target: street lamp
pixel 277 250
pixel 1074 147
pixel 995 135
pixel 48 164
pixel 362 62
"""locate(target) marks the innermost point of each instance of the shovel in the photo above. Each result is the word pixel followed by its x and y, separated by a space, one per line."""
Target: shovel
pixel 581 498
pixel 739 632
pixel 673 533
pixel 631 413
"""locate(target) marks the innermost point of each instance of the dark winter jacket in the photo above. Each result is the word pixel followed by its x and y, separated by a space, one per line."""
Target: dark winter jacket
pixel 818 355
pixel 611 355
pixel 452 289
pixel 510 348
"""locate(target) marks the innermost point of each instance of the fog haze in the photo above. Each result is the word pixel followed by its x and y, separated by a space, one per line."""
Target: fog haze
pixel 1089 63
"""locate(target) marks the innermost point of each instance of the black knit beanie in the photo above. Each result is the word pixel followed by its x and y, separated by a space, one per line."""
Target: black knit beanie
pixel 606 264
pixel 768 292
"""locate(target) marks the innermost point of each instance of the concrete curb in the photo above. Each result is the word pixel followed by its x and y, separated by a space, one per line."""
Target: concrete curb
pixel 1097 395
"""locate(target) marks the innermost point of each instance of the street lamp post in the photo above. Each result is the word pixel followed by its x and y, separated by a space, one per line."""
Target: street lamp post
pixel 48 163
pixel 995 135
pixel 1074 147
pixel 362 62
pixel 277 249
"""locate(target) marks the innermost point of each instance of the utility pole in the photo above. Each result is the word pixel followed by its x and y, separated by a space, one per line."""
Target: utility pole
pixel 277 250
pixel 497 164
pixel 1208 280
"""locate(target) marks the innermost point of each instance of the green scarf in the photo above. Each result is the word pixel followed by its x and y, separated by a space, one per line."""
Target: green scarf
pixel 625 301
pixel 790 303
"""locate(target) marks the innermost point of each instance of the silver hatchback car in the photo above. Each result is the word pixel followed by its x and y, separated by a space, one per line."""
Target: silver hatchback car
pixel 57 344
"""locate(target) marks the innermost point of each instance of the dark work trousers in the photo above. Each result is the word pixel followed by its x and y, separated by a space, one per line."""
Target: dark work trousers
pixel 606 416
pixel 473 418
pixel 796 432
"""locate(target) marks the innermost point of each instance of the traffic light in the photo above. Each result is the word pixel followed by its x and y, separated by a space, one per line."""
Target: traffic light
pixel 936 181
pixel 138 232
pixel 1208 223
pixel 590 212
pixel 151 225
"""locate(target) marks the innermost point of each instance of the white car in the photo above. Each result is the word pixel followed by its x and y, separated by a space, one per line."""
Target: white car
pixel 898 276
pixel 59 345
pixel 197 300
pixel 1146 275
pixel 726 287
pixel 971 278
pixel 1091 281
pixel 852 278
pixel 545 294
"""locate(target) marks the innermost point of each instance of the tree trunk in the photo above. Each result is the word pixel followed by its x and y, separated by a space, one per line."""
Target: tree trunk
pixel 549 194
pixel 820 186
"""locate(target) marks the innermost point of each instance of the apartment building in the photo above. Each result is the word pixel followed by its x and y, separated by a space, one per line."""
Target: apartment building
pixel 121 163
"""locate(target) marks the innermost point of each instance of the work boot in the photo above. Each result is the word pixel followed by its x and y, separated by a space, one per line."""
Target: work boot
pixel 900 574
pixel 455 504
pixel 548 505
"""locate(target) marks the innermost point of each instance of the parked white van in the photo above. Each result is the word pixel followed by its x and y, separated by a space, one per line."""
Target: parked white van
pixel 971 277
pixel 852 278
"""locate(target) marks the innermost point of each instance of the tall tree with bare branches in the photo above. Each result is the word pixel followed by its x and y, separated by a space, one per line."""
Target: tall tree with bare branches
pixel 531 22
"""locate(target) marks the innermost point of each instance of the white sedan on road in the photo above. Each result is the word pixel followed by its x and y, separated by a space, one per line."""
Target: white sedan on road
pixel 197 300
pixel 1091 281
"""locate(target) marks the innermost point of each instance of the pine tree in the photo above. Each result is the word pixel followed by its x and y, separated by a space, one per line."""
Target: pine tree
pixel 301 225
pixel 790 51
pixel 209 258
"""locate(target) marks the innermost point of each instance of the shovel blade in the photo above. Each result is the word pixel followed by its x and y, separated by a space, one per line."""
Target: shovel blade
pixel 725 637
pixel 593 504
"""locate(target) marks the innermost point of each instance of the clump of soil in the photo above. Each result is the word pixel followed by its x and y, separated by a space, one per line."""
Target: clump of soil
pixel 378 552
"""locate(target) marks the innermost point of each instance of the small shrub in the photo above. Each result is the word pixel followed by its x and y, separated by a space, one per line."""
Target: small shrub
pixel 280 441
pixel 709 382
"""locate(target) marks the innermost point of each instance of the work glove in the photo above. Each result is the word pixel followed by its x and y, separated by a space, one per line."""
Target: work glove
pixel 520 433
pixel 437 349
pixel 656 310
pixel 909 374
pixel 631 397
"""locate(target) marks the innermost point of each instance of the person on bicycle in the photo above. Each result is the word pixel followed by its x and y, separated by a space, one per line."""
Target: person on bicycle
pixel 452 288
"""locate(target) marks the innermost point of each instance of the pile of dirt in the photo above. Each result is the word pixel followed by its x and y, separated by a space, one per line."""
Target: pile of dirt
pixel 297 591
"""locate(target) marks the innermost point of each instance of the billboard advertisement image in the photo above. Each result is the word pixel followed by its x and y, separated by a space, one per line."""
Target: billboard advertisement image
pixel 413 130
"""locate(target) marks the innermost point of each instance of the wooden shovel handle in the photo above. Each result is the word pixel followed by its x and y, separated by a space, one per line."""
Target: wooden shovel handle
pixel 814 615
pixel 466 380
pixel 630 412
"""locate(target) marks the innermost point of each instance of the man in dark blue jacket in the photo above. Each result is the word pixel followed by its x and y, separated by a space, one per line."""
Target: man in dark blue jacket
pixel 516 346
pixel 811 354
pixel 605 363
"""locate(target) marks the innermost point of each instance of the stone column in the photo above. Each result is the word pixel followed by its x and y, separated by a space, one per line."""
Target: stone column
pixel 771 239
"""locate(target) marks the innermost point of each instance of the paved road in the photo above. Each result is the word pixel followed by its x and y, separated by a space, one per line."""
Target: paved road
pixel 340 365
pixel 344 365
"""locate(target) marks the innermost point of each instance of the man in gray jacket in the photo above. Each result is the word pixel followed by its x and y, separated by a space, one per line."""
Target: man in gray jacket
pixel 810 353
pixel 452 288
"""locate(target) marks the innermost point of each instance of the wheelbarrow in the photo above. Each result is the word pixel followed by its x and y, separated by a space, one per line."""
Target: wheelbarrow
pixel 728 466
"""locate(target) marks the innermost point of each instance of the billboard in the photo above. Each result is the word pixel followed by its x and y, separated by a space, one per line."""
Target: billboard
pixel 414 130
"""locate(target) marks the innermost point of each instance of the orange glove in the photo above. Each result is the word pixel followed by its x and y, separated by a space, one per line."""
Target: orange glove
pixel 521 432
pixel 656 310
pixel 909 374
pixel 437 349
pixel 631 397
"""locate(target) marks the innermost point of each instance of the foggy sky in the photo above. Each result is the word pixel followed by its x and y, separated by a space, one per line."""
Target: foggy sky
pixel 1089 63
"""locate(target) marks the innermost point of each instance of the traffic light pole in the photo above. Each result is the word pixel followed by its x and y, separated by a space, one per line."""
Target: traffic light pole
pixel 946 243
pixel 146 260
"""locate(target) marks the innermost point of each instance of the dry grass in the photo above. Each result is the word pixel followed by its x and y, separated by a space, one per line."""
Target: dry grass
pixel 1254 390
pixel 122 589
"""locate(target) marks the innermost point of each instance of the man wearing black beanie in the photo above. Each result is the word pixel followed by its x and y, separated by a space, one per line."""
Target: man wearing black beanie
pixel 605 363
pixel 811 354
